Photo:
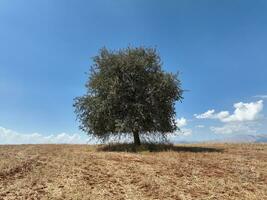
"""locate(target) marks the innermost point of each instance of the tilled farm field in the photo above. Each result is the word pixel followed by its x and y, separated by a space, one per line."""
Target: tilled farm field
pixel 201 171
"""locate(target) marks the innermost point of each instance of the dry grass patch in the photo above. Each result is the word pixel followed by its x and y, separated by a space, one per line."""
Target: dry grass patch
pixel 207 171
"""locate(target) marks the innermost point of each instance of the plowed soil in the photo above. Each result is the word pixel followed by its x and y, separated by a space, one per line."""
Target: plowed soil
pixel 206 171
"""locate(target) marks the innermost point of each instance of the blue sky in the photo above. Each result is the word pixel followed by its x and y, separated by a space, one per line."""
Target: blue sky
pixel 219 47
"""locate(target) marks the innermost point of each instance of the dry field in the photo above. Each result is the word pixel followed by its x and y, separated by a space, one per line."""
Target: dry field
pixel 206 171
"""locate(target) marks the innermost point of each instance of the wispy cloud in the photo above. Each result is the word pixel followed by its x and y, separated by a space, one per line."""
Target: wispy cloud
pixel 235 127
pixel 200 126
pixel 186 131
pixel 261 96
pixel 8 136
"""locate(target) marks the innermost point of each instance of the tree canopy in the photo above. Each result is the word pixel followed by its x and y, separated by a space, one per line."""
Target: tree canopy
pixel 128 93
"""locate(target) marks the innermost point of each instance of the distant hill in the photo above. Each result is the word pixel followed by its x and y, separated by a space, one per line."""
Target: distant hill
pixel 262 138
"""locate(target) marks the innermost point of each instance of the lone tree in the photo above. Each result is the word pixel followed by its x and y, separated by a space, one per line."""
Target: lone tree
pixel 128 93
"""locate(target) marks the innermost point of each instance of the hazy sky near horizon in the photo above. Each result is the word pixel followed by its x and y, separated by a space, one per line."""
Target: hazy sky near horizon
pixel 219 47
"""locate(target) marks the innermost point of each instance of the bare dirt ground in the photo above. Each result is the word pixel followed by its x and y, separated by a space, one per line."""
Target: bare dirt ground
pixel 206 171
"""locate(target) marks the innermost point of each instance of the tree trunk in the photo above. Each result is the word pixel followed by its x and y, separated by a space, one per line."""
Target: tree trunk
pixel 136 138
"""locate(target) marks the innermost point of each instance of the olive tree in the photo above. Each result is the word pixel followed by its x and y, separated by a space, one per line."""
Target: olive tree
pixel 128 92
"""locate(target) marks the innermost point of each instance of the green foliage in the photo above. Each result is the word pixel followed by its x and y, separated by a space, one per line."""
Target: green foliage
pixel 128 92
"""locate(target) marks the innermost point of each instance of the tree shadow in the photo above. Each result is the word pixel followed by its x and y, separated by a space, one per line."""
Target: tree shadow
pixel 151 147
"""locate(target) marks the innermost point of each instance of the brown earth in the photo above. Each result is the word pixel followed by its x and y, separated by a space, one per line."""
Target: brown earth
pixel 206 171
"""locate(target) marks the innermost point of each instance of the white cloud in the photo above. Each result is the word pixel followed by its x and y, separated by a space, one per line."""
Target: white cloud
pixel 222 115
pixel 8 136
pixel 261 96
pixel 181 122
pixel 210 114
pixel 243 120
pixel 206 115
pixel 243 112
